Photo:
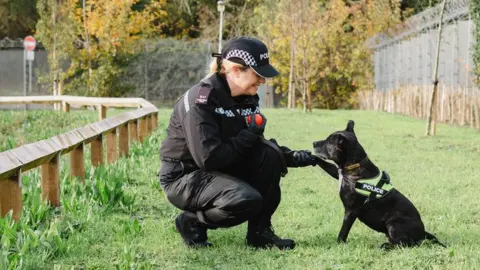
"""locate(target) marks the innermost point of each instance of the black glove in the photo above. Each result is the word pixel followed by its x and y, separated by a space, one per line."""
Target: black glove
pixel 301 158
pixel 257 129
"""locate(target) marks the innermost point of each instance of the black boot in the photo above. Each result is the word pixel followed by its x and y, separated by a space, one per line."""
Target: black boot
pixel 265 237
pixel 193 233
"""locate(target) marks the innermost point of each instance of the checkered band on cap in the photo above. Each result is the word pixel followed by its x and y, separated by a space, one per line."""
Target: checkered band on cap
pixel 245 56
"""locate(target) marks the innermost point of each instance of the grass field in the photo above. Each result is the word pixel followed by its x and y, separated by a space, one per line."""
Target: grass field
pixel 121 219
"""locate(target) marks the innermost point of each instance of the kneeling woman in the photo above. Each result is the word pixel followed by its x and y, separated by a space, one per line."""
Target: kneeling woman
pixel 218 168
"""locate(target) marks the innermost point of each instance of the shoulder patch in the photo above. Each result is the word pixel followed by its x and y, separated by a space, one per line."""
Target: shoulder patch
pixel 202 95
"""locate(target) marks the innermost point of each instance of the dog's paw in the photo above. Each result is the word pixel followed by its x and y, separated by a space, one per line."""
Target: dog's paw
pixel 386 246
pixel 341 240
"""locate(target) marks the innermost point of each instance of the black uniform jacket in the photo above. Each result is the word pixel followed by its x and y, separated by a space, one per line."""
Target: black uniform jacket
pixel 208 126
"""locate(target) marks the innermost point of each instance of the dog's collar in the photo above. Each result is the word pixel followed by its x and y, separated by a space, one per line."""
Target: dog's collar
pixel 356 165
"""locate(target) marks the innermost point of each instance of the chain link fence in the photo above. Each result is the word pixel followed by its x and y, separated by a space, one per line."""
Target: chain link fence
pixel 405 55
pixel 404 58
pixel 12 70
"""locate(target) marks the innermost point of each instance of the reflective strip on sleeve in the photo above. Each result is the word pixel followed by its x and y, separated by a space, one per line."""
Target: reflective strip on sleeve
pixel 185 101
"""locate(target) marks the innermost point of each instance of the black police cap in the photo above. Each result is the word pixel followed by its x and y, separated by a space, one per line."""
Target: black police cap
pixel 249 51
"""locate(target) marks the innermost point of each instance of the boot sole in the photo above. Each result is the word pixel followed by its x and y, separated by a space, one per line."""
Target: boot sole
pixel 189 242
pixel 269 246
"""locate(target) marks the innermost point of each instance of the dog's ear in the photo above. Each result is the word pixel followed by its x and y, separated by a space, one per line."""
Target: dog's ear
pixel 350 126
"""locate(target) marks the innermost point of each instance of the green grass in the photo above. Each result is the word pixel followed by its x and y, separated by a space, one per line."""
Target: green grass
pixel 438 174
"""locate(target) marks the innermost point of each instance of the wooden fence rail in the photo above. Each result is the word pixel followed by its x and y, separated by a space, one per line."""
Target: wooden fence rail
pixel 455 105
pixel 121 129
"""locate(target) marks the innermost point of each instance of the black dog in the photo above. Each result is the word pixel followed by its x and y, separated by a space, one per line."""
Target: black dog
pixel 367 194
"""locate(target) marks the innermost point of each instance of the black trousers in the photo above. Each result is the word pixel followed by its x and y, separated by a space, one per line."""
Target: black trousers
pixel 228 197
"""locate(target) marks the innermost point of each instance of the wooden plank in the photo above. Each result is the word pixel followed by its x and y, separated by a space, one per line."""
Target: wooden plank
pixel 11 196
pixel 51 181
pixel 35 154
pixel 9 164
pixel 30 100
pixel 103 126
pixel 77 100
pixel 77 164
pixel 87 133
pixel 68 141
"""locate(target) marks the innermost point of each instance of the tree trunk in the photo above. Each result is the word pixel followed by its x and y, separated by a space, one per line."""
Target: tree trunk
pixel 431 127
pixel 304 80
pixel 291 87
pixel 54 54
pixel 309 98
pixel 87 41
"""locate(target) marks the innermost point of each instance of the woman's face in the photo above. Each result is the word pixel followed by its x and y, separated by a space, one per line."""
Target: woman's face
pixel 245 82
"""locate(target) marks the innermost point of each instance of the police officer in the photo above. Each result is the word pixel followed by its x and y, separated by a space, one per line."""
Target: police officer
pixel 217 167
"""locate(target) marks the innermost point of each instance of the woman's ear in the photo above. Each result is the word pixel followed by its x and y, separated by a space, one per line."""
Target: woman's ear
pixel 235 71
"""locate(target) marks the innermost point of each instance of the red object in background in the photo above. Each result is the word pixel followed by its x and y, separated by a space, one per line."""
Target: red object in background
pixel 258 119
pixel 29 43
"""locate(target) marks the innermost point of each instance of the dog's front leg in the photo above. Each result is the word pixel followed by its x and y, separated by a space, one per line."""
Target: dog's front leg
pixel 348 220
pixel 328 167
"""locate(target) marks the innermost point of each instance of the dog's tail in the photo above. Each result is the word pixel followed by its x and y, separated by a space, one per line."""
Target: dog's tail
pixel 434 239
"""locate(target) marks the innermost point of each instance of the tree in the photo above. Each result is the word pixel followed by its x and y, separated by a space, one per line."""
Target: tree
pixel 97 40
pixel 415 6
pixel 17 18
pixel 323 43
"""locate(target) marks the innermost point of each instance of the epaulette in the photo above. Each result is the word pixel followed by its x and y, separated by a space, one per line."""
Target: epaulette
pixel 203 94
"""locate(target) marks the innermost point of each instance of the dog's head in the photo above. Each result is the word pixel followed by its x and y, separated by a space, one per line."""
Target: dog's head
pixel 340 147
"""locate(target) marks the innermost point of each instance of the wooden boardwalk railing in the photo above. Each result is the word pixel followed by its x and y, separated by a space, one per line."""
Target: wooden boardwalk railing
pixel 118 130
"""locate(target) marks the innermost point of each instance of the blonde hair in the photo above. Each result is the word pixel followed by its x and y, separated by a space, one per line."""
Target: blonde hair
pixel 226 67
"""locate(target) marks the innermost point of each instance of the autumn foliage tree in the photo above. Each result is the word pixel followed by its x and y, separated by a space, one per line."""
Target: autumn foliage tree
pixel 321 44
pixel 90 42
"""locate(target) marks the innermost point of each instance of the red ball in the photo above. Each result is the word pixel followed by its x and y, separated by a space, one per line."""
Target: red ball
pixel 258 119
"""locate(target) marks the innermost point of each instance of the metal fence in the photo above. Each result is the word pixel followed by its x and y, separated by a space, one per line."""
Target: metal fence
pixel 160 73
pixel 405 55
pixel 404 59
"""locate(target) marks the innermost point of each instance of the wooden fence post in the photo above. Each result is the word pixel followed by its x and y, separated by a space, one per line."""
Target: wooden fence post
pixel 77 164
pixel 51 181
pixel 111 146
pixel 123 140
pixel 96 151
pixel 149 124
pixel 477 113
pixel 11 196
pixel 155 120
pixel 133 128
pixel 142 130
pixel 102 112
pixel 66 107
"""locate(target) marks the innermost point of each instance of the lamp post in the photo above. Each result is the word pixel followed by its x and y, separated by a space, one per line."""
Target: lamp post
pixel 221 9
